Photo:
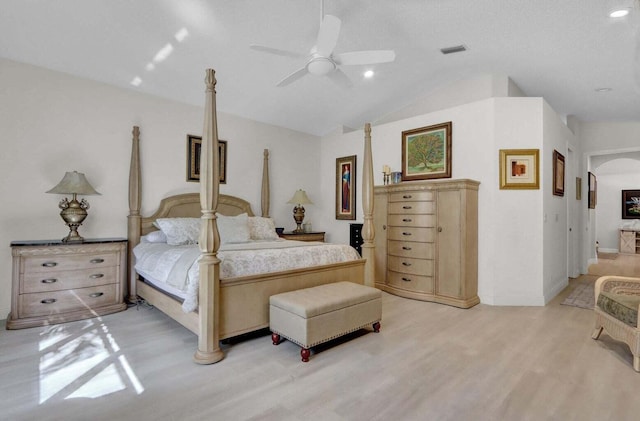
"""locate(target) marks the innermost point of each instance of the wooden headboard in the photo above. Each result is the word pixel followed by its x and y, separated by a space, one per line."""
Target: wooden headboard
pixel 188 206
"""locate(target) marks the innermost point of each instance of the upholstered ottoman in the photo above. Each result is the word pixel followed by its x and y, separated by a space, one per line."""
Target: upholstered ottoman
pixel 311 316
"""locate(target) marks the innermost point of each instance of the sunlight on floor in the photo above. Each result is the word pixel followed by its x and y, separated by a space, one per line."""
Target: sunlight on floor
pixel 83 362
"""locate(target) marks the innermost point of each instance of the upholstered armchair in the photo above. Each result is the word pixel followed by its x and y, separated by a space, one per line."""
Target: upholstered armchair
pixel 616 311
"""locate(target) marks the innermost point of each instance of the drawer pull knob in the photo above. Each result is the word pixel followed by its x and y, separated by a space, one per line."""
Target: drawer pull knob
pixel 96 260
pixel 439 229
pixel 49 264
pixel 96 275
pixel 407 220
pixel 406 279
pixel 406 207
pixel 49 281
pixel 48 301
pixel 406 248
pixel 406 233
pixel 96 294
pixel 407 196
pixel 406 264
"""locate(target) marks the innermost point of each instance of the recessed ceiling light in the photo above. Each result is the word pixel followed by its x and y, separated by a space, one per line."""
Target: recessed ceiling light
pixel 136 81
pixel 603 89
pixel 619 13
pixel 368 74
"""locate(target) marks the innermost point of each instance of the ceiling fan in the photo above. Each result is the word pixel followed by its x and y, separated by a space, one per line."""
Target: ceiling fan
pixel 321 61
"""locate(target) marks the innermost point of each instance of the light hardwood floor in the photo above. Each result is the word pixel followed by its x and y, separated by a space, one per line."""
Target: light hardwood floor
pixel 429 362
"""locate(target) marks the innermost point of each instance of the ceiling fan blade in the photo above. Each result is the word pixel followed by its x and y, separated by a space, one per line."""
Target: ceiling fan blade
pixel 328 35
pixel 340 78
pixel 292 77
pixel 276 51
pixel 365 57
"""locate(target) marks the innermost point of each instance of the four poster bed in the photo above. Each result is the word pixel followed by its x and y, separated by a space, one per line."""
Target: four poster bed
pixel 230 306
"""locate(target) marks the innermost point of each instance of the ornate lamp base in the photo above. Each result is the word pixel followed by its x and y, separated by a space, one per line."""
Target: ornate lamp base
pixel 298 216
pixel 73 213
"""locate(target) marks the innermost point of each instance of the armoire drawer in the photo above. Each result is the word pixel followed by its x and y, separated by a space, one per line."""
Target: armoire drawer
pixel 426 235
pixel 410 265
pixel 410 282
pixel 411 220
pixel 411 207
pixel 411 196
pixel 411 249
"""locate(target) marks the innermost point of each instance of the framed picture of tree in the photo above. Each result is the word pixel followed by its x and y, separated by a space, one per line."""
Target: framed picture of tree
pixel 426 152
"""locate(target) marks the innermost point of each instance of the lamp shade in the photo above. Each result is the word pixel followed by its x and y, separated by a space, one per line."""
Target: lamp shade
pixel 74 183
pixel 300 198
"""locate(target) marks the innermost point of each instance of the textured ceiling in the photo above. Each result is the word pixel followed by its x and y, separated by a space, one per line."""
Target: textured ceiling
pixel 562 50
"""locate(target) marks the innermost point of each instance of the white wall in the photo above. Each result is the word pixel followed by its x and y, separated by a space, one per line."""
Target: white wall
pixel 52 123
pixel 602 141
pixel 613 177
pixel 511 233
pixel 557 209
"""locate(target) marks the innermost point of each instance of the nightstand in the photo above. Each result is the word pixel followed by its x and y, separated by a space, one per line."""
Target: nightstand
pixel 303 236
pixel 56 282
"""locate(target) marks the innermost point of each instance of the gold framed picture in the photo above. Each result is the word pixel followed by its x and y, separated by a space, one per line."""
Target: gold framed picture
pixel 520 169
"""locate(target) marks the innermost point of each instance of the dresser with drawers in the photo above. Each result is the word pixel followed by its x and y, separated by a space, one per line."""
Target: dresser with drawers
pixel 56 282
pixel 426 239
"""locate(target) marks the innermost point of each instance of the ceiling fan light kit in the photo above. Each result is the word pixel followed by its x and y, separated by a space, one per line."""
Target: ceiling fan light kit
pixel 322 62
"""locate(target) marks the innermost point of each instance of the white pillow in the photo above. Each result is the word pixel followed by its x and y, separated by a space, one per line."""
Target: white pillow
pixel 234 229
pixel 180 231
pixel 262 228
pixel 154 237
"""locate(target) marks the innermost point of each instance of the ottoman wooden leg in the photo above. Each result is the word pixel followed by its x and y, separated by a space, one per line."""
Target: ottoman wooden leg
pixel 376 327
pixel 304 353
pixel 275 338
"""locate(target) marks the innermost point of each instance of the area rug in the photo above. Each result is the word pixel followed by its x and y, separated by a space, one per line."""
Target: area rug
pixel 582 295
pixel 608 256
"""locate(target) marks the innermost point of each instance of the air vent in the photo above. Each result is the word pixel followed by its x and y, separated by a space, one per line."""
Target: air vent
pixel 451 50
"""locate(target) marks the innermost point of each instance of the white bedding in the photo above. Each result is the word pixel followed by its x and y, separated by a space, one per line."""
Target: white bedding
pixel 176 266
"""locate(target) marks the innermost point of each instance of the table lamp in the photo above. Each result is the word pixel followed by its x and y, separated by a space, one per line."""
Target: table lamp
pixel 73 212
pixel 299 198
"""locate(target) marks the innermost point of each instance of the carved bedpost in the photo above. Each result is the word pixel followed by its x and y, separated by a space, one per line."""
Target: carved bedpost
pixel 209 350
pixel 368 233
pixel 265 185
pixel 133 229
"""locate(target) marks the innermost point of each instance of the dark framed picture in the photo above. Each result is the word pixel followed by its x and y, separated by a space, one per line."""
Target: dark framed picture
pixel 630 204
pixel 194 144
pixel 426 152
pixel 346 187
pixel 558 173
pixel 593 191
pixel 519 169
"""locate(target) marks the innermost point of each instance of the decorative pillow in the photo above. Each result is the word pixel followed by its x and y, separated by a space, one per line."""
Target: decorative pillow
pixel 180 231
pixel 234 229
pixel 154 237
pixel 262 228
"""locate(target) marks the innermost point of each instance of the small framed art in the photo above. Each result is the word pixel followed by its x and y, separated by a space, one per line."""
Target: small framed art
pixel 630 204
pixel 519 169
pixel 578 188
pixel 593 191
pixel 194 144
pixel 558 173
pixel 426 152
pixel 346 187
